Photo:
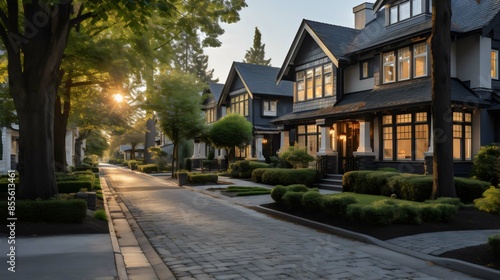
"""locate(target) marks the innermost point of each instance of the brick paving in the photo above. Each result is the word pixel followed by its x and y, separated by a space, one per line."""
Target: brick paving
pixel 202 237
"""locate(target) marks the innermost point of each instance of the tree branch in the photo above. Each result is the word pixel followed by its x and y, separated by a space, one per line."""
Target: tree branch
pixel 77 20
pixel 4 18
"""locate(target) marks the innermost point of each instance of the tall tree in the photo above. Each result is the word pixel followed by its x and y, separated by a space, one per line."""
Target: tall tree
pixel 443 177
pixel 96 144
pixel 256 54
pixel 178 103
pixel 35 34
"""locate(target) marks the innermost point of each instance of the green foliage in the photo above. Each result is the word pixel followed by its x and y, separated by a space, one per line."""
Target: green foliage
pixel 486 164
pixel 96 144
pixel 73 186
pixel 231 131
pixel 312 200
pixel 100 215
pixel 244 168
pixel 293 199
pixel 494 243
pixel 148 168
pixel 490 202
pixel 201 178
pixel 132 164
pixel 470 189
pixel 159 156
pixel 256 54
pixel 337 205
pixel 246 191
pixel 434 213
pixel 280 176
pixel 47 211
pixel 257 174
pixel 297 156
pixel 445 200
pixel 277 193
pixel 297 188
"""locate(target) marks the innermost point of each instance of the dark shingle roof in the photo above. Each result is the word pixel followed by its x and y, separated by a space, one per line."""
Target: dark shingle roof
pixel 216 90
pixel 262 79
pixel 397 95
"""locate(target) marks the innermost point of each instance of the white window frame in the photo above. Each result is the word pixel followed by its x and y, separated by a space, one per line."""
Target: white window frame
pixel 416 56
pixel 270 108
pixel 401 62
pixel 388 64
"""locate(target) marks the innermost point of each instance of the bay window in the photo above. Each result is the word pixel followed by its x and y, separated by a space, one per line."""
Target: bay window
pixel 314 83
pixel 407 66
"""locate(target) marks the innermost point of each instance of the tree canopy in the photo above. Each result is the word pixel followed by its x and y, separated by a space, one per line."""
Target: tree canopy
pixel 231 131
pixel 256 54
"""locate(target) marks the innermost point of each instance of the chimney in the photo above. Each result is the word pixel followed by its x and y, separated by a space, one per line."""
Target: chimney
pixel 363 14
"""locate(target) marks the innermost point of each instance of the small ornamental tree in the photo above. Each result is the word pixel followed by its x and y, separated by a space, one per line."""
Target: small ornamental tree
pixel 231 131
pixel 486 164
pixel 297 156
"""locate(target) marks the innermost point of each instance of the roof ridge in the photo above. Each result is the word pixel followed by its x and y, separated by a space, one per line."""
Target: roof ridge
pixel 331 24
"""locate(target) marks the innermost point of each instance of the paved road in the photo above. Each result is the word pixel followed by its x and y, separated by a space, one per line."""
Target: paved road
pixel 202 237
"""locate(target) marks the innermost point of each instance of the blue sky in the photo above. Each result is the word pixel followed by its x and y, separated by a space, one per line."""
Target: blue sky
pixel 278 21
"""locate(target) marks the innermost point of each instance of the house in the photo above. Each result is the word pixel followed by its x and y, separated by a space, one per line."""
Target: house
pixel 251 91
pixel 362 95
pixel 9 148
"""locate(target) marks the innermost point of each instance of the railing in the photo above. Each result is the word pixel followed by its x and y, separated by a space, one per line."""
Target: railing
pixel 351 164
pixel 321 168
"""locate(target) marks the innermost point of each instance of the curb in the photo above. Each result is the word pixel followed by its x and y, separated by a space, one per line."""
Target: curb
pixel 457 265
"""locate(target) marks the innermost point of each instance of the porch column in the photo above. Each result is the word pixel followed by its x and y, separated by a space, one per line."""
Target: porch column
pixel 333 137
pixel 364 138
pixel 202 153
pixel 258 147
pixel 284 140
pixel 325 145
pixel 196 149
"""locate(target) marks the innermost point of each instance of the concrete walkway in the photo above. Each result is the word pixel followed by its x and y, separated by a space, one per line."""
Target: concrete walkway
pixel 199 237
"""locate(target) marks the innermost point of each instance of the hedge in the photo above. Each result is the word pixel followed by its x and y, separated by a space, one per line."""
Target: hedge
pixel 200 178
pixel 257 174
pixel 244 168
pixel 148 168
pixel 73 186
pixel 281 176
pixel 407 186
pixel 47 211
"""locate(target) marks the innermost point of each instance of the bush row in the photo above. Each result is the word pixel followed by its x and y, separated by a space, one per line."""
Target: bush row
pixel 202 178
pixel 383 212
pixel 244 168
pixel 148 168
pixel 284 176
pixel 47 211
pixel 407 186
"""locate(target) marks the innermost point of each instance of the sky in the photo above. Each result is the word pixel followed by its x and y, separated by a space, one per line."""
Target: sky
pixel 278 21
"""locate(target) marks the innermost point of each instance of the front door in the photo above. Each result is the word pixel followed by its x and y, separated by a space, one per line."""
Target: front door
pixel 347 143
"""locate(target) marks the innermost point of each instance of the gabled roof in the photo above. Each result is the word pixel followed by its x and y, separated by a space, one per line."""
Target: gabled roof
pixel 334 40
pixel 385 97
pixel 257 80
pixel 215 90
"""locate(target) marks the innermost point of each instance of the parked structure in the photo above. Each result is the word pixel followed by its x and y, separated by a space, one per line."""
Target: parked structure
pixel 362 96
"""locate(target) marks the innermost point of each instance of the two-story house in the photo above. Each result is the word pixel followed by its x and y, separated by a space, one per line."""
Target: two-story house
pixel 362 95
pixel 251 91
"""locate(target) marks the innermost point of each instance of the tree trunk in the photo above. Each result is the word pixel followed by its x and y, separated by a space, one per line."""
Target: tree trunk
pixel 443 181
pixel 150 140
pixel 175 156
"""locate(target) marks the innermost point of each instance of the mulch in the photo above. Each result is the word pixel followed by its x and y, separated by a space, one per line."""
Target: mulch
pixel 465 219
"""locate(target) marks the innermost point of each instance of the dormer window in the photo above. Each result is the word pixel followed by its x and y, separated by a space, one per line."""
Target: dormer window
pixel 408 62
pixel 405 10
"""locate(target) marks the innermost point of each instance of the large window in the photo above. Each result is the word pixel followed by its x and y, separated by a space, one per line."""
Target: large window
pixel 494 64
pixel 405 136
pixel 308 137
pixel 210 115
pixel 269 108
pixel 405 10
pixel 462 136
pixel 314 83
pixel 407 66
pixel 239 105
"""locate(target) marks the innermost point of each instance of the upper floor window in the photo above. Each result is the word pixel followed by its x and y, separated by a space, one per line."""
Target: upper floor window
pixel 210 115
pixel 494 64
pixel 366 70
pixel 239 105
pixel 405 10
pixel 402 63
pixel 269 108
pixel 314 83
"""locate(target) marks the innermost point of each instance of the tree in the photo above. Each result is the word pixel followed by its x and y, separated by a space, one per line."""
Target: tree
pixel 134 136
pixel 35 53
pixel 256 54
pixel 96 144
pixel 443 177
pixel 297 156
pixel 178 103
pixel 231 131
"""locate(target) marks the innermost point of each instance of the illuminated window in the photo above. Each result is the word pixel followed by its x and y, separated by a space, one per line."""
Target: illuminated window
pixel 462 136
pixel 329 80
pixel 239 105
pixel 318 82
pixel 494 64
pixel 308 137
pixel 387 134
pixel 420 60
pixel 315 83
pixel 300 86
pixel 404 64
pixel 389 67
pixel 405 139
pixel 309 83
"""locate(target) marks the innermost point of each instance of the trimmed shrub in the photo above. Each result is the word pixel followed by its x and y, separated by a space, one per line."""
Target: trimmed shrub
pixel 73 186
pixel 86 168
pixel 257 174
pixel 490 202
pixel 132 164
pixel 351 179
pixel 148 168
pixel 293 199
pixel 297 156
pixel 407 214
pixel 313 200
pixel 435 213
pixel 277 193
pixel 494 242
pixel 469 189
pixel 416 188
pixel 48 211
pixel 297 188
pixel 486 164
pixel 445 200
pixel 334 205
pixel 279 176
pixel 200 178
pixel 244 168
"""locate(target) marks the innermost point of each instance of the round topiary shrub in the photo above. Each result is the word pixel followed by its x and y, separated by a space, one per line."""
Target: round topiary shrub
pixel 337 205
pixel 293 199
pixel 486 164
pixel 277 193
pixel 297 188
pixel 313 200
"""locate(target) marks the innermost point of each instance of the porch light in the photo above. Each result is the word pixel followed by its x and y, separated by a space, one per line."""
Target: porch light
pixel 342 136
pixel 264 141
pixel 332 130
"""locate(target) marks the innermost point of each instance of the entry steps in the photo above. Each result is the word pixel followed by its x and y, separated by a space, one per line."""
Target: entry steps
pixel 331 182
